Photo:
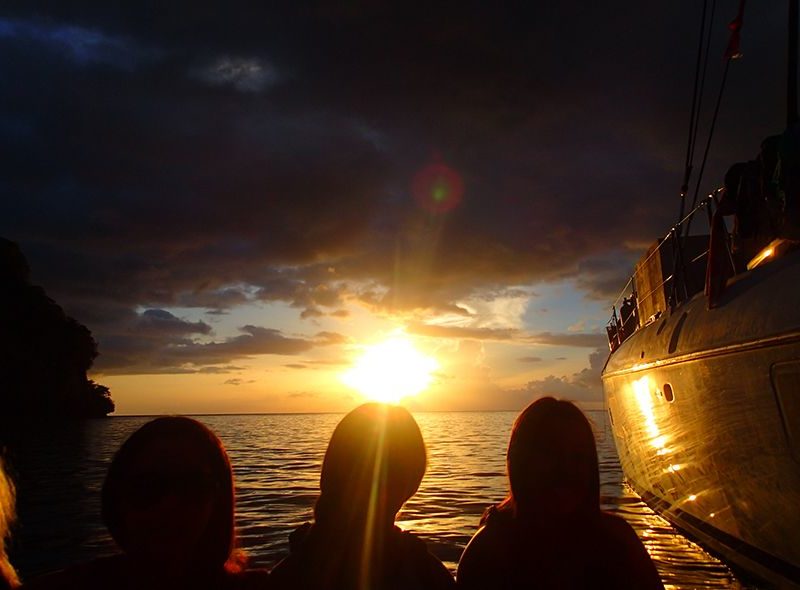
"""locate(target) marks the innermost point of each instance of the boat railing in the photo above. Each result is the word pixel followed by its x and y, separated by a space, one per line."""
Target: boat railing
pixel 675 283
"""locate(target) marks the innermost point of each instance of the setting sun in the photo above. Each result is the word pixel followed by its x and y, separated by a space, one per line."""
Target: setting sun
pixel 390 371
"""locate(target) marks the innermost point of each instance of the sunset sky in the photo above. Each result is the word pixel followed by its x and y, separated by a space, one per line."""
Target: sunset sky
pixel 240 202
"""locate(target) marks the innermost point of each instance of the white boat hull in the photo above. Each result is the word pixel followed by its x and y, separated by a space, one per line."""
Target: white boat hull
pixel 705 409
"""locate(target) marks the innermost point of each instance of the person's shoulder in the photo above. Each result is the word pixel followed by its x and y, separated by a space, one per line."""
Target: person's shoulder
pixel 487 538
pixel 495 533
pixel 614 523
pixel 439 576
pixel 302 553
pixel 484 557
pixel 621 538
pixel 427 567
pixel 618 529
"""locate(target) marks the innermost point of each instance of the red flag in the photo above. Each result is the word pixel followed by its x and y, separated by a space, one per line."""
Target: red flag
pixel 735 27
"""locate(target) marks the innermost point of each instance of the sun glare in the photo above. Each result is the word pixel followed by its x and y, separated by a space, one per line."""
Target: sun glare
pixel 389 371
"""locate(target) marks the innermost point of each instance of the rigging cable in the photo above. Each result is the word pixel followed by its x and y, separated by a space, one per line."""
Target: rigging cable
pixel 702 88
pixel 678 265
pixel 693 116
pixel 791 82
pixel 731 53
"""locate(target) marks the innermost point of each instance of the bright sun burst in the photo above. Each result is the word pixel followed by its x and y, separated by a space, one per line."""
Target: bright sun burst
pixel 389 371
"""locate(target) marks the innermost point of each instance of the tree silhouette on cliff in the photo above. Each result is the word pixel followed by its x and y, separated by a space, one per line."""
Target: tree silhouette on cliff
pixel 44 354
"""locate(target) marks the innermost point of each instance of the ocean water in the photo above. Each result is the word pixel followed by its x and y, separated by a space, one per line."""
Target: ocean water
pixel 276 460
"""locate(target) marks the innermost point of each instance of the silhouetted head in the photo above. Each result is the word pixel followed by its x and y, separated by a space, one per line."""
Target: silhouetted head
pixel 8 577
pixel 374 463
pixel 552 461
pixel 168 498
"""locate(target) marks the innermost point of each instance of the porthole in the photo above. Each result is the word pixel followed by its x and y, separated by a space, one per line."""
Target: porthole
pixel 668 393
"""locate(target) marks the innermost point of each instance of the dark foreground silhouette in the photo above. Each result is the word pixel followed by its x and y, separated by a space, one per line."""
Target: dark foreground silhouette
pixel 374 463
pixel 550 532
pixel 44 354
pixel 168 502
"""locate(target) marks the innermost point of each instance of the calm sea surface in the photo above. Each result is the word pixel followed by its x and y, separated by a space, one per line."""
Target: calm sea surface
pixel 277 458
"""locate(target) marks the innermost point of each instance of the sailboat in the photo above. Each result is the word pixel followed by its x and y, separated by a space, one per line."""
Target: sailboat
pixel 702 384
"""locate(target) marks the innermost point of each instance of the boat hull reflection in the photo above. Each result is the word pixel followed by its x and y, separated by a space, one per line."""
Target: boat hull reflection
pixel 705 410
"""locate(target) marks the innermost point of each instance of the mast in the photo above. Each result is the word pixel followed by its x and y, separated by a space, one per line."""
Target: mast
pixel 791 85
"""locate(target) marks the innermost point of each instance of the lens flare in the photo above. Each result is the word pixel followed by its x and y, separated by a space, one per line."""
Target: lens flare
pixel 437 188
pixel 379 469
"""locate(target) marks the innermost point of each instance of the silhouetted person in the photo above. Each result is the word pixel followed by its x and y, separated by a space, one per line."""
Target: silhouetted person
pixel 8 577
pixel 374 463
pixel 627 313
pixel 168 502
pixel 550 532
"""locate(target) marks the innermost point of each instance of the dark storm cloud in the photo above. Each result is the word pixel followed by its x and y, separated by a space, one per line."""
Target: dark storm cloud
pixel 160 321
pixel 530 359
pixel 217 300
pixel 576 339
pixel 603 277
pixel 318 364
pixel 461 333
pixel 134 354
pixel 200 157
pixel 311 312
pixel 304 290
pixel 584 386
pixel 221 369
pixel 583 340
pixel 237 381
pixel 253 340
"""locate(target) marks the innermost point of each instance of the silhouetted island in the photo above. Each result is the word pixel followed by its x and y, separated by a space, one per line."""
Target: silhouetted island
pixel 44 354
